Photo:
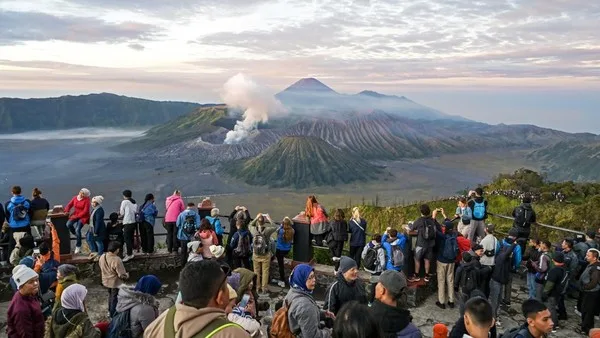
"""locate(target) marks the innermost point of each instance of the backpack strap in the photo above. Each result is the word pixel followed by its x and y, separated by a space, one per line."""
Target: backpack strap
pixel 358 225
pixel 170 323
pixel 214 327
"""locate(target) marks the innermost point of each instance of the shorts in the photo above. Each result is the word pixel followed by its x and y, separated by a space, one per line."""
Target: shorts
pixel 421 252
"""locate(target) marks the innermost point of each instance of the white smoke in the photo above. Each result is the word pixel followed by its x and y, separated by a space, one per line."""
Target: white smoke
pixel 257 102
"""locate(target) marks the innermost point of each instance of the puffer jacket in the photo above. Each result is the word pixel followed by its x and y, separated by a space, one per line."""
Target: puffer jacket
pixel 66 323
pixel 304 315
pixel 142 307
pixel 342 292
pixel 318 222
pixel 10 205
pixel 387 246
pixel 339 230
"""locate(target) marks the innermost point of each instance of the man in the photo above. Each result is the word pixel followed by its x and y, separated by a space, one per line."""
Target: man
pixel 447 247
pixel 572 268
pixel 539 322
pixel 127 211
pixel 346 287
pixel 491 246
pixel 541 267
pixel 582 247
pixel 479 210
pixel 590 287
pixel 467 279
pixel 524 216
pixel 17 215
pixel 516 262
pixel 389 307
pixel 205 296
pixel 500 277
pixel 478 318
pixel 261 229
pixel 532 254
pixel 113 273
pixel 24 316
pixel 188 222
pixel 556 281
pixel 393 244
pixel 426 229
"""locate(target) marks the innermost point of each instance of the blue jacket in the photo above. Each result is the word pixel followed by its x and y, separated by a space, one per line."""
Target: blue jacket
pixel 216 223
pixel 358 236
pixel 517 255
pixel 400 241
pixel 150 213
pixel 9 210
pixel 236 237
pixel 181 219
pixel 281 244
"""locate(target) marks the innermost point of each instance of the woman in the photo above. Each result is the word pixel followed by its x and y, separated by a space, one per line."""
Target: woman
pixel 141 304
pixel 66 275
pixel 194 251
pixel 464 215
pixel 38 211
pixel 148 213
pixel 214 220
pixel 71 319
pixel 97 232
pixel 285 238
pixel 173 207
pixel 318 220
pixel 80 216
pixel 238 213
pixel 337 237
pixel 207 237
pixel 241 246
pixel 356 321
pixel 304 314
pixel 358 236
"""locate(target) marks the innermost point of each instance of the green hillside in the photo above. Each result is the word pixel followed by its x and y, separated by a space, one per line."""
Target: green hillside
pixel 570 161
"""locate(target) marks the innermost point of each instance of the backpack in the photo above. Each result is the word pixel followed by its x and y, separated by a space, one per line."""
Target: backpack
pixel 120 325
pixel 479 210
pixel 260 245
pixel 139 215
pixel 371 260
pixel 280 325
pixel 428 229
pixel 19 211
pixel 468 280
pixel 214 327
pixel 397 256
pixel 522 217
pixel 242 248
pixel 450 248
pixel 189 225
pixel 515 331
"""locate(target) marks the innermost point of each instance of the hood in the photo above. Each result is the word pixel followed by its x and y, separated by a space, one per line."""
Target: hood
pixel 507 241
pixel 189 320
pixel 17 199
pixel 243 232
pixel 396 319
pixel 130 200
pixel 173 198
pixel 294 294
pixel 246 276
pixel 471 264
pixel 128 298
pixel 67 318
pixel 190 212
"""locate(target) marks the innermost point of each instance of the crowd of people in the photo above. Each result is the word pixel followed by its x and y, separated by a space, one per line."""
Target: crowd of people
pixel 221 278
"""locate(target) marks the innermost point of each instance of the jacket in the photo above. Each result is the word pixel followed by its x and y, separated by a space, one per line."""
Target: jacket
pixel 358 232
pixel 112 269
pixel 380 255
pixel 10 205
pixel 440 240
pixel 471 205
pixel 574 262
pixel 489 242
pixel 282 245
pixel 142 307
pixel 251 325
pixel 394 321
pixel 501 273
pixel 66 323
pixel 128 210
pixel 419 226
pixel 81 209
pixel 304 315
pixel 339 230
pixel 216 223
pixel 342 292
pixel 38 210
pixel 464 268
pixel 236 237
pixel 590 278
pixel 188 321
pixel 63 283
pixel 464 245
pixel 268 229
pixel 318 222
pixel 173 207
pixel 150 212
pixel 24 318
pixel 517 255
pixel 97 224
pixel 182 236
pixel 387 246
pixel 465 212
pixel 246 277
pixel 207 238
pixel 529 212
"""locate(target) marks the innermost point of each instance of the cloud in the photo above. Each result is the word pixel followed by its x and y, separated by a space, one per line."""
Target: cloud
pixel 136 46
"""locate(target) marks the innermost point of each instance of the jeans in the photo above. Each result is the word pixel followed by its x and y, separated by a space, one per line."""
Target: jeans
pixel 336 252
pixel 128 234
pixel 355 253
pixel 477 231
pixel 95 246
pixel 531 285
pixel 551 304
pixel 445 279
pixel 261 269
pixel 172 241
pixel 280 255
pixel 495 296
pixel 112 301
pixel 75 225
pixel 147 237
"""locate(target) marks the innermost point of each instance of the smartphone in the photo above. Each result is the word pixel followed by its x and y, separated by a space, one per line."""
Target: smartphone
pixel 245 301
pixel 36 253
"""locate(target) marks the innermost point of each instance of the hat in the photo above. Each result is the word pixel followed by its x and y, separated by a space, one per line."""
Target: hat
pixel 448 224
pixel 591 234
pixel 27 261
pixel 559 257
pixel 22 274
pixel 232 293
pixel 440 331
pixel 217 251
pixel 394 282
pixel 467 257
pixel 513 233
pixel 346 263
pixel 98 199
pixel 67 269
pixel 477 247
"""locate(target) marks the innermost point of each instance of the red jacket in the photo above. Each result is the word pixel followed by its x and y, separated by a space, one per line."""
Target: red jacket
pixel 81 209
pixel 24 317
pixel 464 245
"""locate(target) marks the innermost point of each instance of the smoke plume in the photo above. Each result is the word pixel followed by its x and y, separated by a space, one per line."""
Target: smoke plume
pixel 256 101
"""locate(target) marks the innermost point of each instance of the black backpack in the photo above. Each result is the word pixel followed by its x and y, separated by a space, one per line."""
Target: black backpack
pixel 242 249
pixel 469 280
pixel 428 229
pixel 120 325
pixel 19 211
pixel 189 225
pixel 523 217
pixel 371 259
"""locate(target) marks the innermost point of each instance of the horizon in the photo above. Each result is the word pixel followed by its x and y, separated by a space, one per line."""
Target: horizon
pixel 513 62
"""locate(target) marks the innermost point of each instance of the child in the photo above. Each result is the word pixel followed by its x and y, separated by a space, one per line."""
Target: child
pixel 463 214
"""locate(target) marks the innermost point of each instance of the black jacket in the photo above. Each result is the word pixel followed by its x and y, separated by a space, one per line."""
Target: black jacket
pixel 393 320
pixel 341 292
pixel 339 230
pixel 503 264
pixel 529 212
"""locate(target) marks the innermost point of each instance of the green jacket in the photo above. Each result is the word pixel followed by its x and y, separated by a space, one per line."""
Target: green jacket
pixel 70 324
pixel 268 229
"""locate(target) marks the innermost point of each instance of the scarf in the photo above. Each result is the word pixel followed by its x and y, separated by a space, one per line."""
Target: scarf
pixel 72 297
pixel 299 277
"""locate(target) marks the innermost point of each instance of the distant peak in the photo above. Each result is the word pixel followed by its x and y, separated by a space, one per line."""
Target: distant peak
pixel 379 95
pixel 309 84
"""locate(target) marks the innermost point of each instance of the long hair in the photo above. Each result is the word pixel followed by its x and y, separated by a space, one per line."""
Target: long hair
pixel 288 231
pixel 205 225
pixel 356 214
pixel 311 202
pixel 356 321
pixel 339 215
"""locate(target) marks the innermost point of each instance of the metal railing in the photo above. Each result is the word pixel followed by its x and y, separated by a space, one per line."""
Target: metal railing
pixel 553 227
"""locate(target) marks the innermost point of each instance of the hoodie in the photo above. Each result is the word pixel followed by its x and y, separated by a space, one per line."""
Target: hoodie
pixel 14 201
pixel 216 223
pixel 304 315
pixel 181 219
pixel 66 323
pixel 173 207
pixel 387 246
pixel 342 292
pixel 81 209
pixel 128 210
pixel 246 277
pixel 394 321
pixel 142 307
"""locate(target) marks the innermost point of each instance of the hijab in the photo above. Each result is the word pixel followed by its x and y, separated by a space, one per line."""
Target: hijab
pixel 148 284
pixel 73 296
pixel 299 277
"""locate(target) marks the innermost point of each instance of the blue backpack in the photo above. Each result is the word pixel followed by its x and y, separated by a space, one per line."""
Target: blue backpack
pixel 120 325
pixel 479 210
pixel 450 248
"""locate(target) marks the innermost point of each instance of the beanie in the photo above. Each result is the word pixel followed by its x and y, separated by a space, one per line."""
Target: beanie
pixel 22 274
pixel 440 331
pixel 346 263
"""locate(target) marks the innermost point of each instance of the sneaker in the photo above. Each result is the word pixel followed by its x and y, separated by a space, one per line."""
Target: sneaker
pixel 314 242
pixel 281 284
pixel 451 305
pixel 77 250
pixel 440 305
pixel 577 312
pixel 427 278
pixel 414 278
pixel 128 258
pixel 498 322
pixel 93 255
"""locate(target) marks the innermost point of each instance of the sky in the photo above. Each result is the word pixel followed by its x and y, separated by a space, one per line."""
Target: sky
pixel 495 61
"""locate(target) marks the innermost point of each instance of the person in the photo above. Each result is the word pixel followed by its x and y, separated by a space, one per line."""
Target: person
pixel 318 220
pixel 239 315
pixel 24 247
pixel 174 206
pixel 241 246
pixel 66 275
pixel 582 247
pixel 425 227
pixel 500 276
pixel 467 279
pixel 374 262
pixel 389 307
pixel 46 264
pixel 71 318
pixel 440 330
pixel 447 248
pixel 464 245
pixel 140 302
pixel 337 237
pixel 491 247
pixel 524 216
pixel 555 283
pixel 261 229
pixel 285 238
pixel 589 282
pixel 541 268
pixel 38 211
pixel 347 287
pixel 246 284
pixel 207 237
pixel 147 217
pixel 479 209
pixel 188 222
pixel 205 296
pixel 460 329
pixel 97 231
pixel 239 213
pixel 464 215
pixel 394 244
pixel 127 211
pixel 215 222
pixel 532 254
pixel 114 231
pixel 113 273
pixel 572 269
pixel 24 318
pixel 80 205
pixel 538 321
pixel 516 262
pixel 478 318
pixel 355 320
pixel 358 235
pixel 17 215
pixel 304 314
pixel 195 251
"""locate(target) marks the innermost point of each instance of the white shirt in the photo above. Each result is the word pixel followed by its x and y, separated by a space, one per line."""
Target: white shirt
pixel 128 211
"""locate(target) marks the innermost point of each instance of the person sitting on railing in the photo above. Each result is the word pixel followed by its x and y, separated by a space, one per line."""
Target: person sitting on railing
pixel 479 208
pixel 215 222
pixel 80 205
pixel 426 229
pixel 394 244
pixel 337 237
pixel 318 217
